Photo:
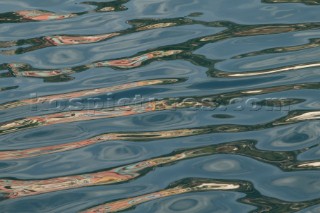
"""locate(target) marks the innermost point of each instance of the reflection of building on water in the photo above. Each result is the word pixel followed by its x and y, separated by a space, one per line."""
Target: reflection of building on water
pixel 156 26
pixel 310 164
pixel 33 15
pixel 84 93
pixel 19 188
pixel 25 70
pixel 133 136
pixel 18 70
pixel 49 41
pixel 71 40
pixel 186 186
pixel 135 61
pixel 63 40
pixel 233 30
pixel 43 15
pixel 195 103
pixel 86 115
pixel 277 160
pixel 92 114
pixel 305 116
pixel 38 15
pixel 252 196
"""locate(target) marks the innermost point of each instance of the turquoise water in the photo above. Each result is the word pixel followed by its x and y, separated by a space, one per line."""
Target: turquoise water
pixel 159 106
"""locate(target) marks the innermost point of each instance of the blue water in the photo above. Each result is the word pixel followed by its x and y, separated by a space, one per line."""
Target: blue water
pixel 242 87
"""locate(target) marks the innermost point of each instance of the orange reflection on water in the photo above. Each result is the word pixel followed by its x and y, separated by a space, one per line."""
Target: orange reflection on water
pixel 23 70
pixel 38 15
pixel 20 188
pixel 15 69
pixel 72 40
pixel 135 61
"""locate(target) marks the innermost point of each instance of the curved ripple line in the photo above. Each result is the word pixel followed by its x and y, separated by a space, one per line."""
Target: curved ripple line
pixel 133 136
pixel 284 160
pixel 51 41
pixel 180 187
pixel 74 116
pixel 233 30
pixel 187 185
pixel 311 164
pixel 256 30
pixel 265 72
pixel 85 93
pixel 25 70
pixel 151 106
pixel 270 204
pixel 313 43
pixel 21 188
pixel 135 61
pixel 145 136
pixel 21 16
pixel 64 40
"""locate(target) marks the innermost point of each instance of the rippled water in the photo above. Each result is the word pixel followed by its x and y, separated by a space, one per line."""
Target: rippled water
pixel 159 106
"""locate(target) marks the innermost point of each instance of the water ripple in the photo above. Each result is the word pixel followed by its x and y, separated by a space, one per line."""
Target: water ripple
pixel 159 106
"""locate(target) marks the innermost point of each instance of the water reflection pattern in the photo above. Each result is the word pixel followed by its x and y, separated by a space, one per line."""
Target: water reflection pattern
pixel 18 188
pixel 194 67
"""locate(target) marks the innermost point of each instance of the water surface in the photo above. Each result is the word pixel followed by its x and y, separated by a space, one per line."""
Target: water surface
pixel 159 106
